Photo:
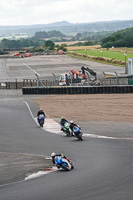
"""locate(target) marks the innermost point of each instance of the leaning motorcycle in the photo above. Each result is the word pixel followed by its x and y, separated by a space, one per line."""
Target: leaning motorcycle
pixel 77 132
pixel 64 163
pixel 66 129
pixel 41 118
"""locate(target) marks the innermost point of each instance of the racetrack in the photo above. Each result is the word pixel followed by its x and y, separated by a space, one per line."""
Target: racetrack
pixel 103 167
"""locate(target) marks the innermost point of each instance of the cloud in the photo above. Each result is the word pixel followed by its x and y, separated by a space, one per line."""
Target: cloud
pixel 25 12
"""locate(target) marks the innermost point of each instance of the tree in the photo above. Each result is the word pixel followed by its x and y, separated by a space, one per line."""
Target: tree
pixel 42 34
pixel 50 45
pixel 62 47
pixel 49 34
pixel 78 36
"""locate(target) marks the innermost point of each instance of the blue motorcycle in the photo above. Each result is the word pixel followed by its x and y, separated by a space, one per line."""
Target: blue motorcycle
pixel 64 163
pixel 77 132
pixel 41 119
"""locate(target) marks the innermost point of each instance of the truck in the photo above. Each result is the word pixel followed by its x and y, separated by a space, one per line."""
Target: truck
pixel 81 77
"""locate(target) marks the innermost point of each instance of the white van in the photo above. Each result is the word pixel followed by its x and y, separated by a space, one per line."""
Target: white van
pixel 64 79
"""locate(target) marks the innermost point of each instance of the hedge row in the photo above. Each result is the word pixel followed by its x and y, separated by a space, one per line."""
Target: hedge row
pixel 108 60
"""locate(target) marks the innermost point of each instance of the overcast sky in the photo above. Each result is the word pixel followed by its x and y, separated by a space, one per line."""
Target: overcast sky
pixel 28 12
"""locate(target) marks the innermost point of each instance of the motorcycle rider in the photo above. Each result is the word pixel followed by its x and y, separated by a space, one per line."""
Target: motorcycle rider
pixel 40 112
pixel 62 122
pixel 72 124
pixel 53 155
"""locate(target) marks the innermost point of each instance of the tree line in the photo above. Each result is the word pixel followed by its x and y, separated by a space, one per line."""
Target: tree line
pixel 122 38
pixel 29 42
pixel 49 34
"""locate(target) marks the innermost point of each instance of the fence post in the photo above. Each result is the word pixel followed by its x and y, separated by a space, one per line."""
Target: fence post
pixel 23 82
pixel 6 86
pixel 16 84
pixel 30 83
pixel 117 80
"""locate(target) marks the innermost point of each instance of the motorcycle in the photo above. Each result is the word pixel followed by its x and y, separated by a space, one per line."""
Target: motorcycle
pixel 41 118
pixel 77 132
pixel 66 129
pixel 64 163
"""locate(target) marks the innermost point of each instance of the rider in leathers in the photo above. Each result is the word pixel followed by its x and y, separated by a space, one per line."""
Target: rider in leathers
pixel 62 122
pixel 40 112
pixel 72 124
pixel 53 155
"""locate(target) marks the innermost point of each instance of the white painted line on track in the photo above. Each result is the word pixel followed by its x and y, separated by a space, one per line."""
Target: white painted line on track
pixel 29 109
pixel 97 136
pixel 31 69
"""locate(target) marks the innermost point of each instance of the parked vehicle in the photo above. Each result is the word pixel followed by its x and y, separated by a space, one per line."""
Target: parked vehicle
pixel 17 55
pixel 41 119
pixel 64 163
pixel 27 55
pixel 74 77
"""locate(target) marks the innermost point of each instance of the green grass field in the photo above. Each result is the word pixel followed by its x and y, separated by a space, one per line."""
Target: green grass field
pixel 106 53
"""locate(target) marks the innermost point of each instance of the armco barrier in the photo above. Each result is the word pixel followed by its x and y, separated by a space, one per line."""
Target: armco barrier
pixel 78 90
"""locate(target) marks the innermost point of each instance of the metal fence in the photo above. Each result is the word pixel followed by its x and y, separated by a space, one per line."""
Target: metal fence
pixel 114 81
pixel 17 84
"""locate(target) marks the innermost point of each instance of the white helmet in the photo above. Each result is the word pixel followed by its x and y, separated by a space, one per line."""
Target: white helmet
pixel 71 122
pixel 53 154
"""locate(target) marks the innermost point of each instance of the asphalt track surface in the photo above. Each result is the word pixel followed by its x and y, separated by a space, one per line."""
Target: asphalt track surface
pixel 103 167
pixel 47 65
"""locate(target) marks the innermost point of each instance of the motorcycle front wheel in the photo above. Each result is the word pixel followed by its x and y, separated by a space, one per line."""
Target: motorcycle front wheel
pixel 66 166
pixel 80 136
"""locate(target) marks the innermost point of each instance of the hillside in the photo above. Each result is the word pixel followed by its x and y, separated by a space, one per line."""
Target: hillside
pixel 66 27
pixel 122 38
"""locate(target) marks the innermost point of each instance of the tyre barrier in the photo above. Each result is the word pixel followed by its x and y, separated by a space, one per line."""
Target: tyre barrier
pixel 78 90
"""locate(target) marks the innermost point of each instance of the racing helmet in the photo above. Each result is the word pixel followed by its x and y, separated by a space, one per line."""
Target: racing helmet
pixel 71 122
pixel 41 110
pixel 53 154
pixel 62 117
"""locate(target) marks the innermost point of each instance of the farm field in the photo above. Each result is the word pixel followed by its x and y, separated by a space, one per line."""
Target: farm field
pixel 68 42
pixel 106 53
pixel 72 48
pixel 14 37
pixel 98 47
